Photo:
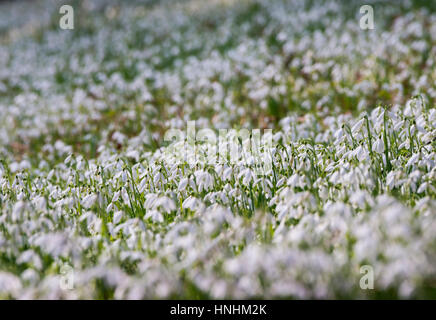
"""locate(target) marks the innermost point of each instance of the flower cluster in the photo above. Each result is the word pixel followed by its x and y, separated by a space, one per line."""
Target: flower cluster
pixel 88 180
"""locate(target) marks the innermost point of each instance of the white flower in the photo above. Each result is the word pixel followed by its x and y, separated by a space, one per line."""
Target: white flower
pixel 150 200
pixel 125 196
pixel 204 180
pixel 360 153
pixel 339 134
pixel 155 215
pixel 166 203
pixel 189 203
pixel 356 128
pixel 158 177
pixel 117 217
pixel 116 196
pixel 378 146
pixel 227 173
pixel 143 185
pixel 413 159
pixel 89 200
pixel 183 184
pixel 68 159
pixel 109 207
pixel 422 187
pixel 246 175
pixel 40 203
pixel 17 211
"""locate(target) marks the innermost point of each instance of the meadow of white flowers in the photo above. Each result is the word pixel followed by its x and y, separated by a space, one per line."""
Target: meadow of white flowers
pixel 93 205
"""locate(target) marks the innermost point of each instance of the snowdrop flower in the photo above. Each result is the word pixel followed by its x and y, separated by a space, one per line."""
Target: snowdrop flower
pixel 150 200
pixel 356 128
pixel 109 207
pixel 117 217
pixel 125 196
pixel 189 203
pixel 413 159
pixel 227 173
pixel 158 178
pixel 155 215
pixel 18 210
pixel 116 196
pixel 166 203
pixel 40 203
pixel 360 153
pixel 89 200
pixel 246 175
pixel 204 180
pixel 378 146
pixel 183 184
